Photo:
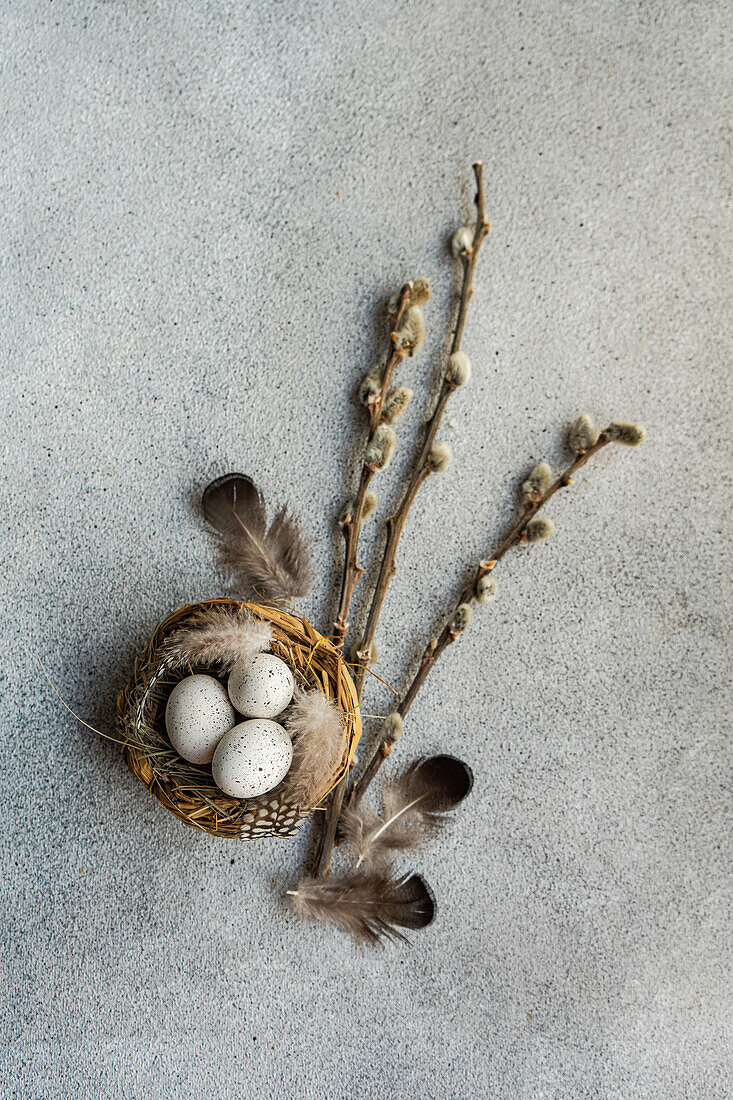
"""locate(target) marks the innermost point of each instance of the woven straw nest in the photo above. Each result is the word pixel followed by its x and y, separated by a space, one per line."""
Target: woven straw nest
pixel 188 790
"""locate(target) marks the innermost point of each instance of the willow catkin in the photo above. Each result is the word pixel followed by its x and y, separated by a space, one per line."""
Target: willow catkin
pixel 419 292
pixel 458 369
pixel 461 618
pixel 439 458
pixel 380 447
pixel 392 729
pixel 370 386
pixel 486 589
pixel 539 528
pixel 538 482
pixel 370 503
pixel 462 241
pixel 582 435
pixel 411 331
pixel 629 435
pixel 397 401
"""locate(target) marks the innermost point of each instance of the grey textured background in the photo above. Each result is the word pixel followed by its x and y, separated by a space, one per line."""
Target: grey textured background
pixel 203 207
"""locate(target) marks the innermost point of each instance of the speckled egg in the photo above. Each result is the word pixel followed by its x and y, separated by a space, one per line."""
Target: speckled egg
pixel 262 687
pixel 252 758
pixel 197 715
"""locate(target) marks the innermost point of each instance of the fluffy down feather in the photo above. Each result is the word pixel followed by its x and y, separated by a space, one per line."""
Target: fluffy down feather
pixel 317 729
pixel 219 635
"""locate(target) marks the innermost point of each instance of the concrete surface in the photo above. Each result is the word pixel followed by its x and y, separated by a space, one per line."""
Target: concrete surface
pixel 203 206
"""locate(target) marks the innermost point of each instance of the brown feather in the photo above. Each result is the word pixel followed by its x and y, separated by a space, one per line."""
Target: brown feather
pixel 358 826
pixel 316 727
pixel 415 807
pixel 371 906
pixel 276 562
pixel 219 636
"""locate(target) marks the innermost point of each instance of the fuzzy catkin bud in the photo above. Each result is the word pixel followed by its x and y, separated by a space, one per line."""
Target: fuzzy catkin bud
pixel 461 618
pixel 539 528
pixel 462 241
pixel 411 332
pixel 370 503
pixel 392 728
pixel 582 435
pixel 486 589
pixel 419 292
pixel 537 483
pixel 380 448
pixel 397 401
pixel 370 386
pixel 629 435
pixel 458 369
pixel 439 458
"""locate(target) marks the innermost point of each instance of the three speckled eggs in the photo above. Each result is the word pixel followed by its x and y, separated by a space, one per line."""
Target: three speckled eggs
pixel 248 758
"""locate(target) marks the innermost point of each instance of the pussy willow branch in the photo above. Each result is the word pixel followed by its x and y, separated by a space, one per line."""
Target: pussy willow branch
pixel 449 634
pixel 352 573
pixel 421 470
pixel 352 521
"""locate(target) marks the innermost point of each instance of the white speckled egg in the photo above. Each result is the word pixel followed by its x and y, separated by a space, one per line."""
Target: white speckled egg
pixel 197 715
pixel 262 687
pixel 252 758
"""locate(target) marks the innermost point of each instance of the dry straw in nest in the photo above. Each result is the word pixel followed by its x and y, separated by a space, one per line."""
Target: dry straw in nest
pixel 188 790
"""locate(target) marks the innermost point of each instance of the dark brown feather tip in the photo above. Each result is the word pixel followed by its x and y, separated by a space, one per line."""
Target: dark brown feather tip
pixel 449 778
pixel 225 496
pixel 418 902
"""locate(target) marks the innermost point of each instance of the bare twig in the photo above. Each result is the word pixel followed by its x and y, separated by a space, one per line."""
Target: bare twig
pixel 452 628
pixel 422 468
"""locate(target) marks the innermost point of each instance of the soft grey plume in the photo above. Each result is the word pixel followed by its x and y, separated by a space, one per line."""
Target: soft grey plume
pixel 317 729
pixel 275 563
pixel 415 806
pixel 219 635
pixel 371 906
